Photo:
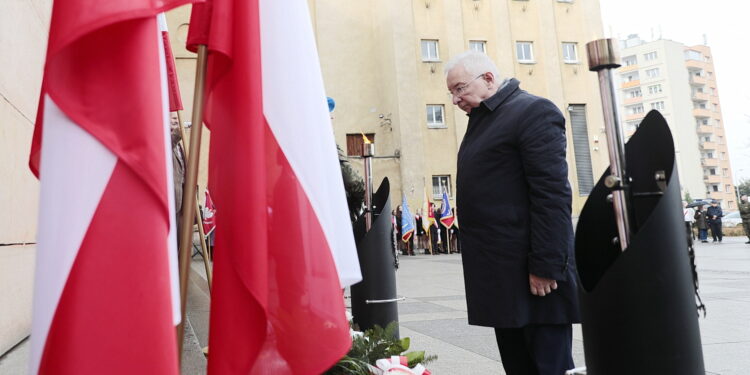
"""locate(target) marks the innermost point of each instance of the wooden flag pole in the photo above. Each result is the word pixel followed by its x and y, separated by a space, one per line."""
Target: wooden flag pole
pixel 198 216
pixel 188 194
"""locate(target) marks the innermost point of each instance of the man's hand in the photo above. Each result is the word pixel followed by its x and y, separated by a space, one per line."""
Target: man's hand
pixel 541 286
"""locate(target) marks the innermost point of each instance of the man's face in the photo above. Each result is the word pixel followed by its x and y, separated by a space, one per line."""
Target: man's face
pixel 473 90
pixel 174 122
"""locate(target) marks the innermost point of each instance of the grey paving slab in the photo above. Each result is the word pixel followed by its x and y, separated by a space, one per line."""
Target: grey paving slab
pixel 421 307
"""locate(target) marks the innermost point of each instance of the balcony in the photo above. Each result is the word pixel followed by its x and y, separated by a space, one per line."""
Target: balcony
pixel 712 178
pixel 708 145
pixel 710 162
pixel 631 101
pixel 705 129
pixel 627 68
pixel 695 64
pixel 700 96
pixel 698 81
pixel 631 84
pixel 701 112
pixel 635 116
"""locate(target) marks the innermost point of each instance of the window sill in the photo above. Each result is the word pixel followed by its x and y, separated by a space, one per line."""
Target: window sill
pixel 431 61
pixel 527 62
pixel 437 126
pixel 572 62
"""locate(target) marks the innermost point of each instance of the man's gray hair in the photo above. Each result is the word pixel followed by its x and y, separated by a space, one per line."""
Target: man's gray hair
pixel 475 63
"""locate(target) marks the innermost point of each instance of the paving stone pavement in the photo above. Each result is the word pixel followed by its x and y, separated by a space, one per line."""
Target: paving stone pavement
pixel 434 312
pixel 433 315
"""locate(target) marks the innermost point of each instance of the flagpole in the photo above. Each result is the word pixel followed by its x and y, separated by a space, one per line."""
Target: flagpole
pixel 188 194
pixel 198 216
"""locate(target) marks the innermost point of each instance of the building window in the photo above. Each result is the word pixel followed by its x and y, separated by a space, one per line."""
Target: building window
pixel 650 56
pixel 570 53
pixel 435 118
pixel 730 204
pixel 725 172
pixel 629 60
pixel 430 50
pixel 564 1
pixel 635 93
pixel 723 156
pixel 715 188
pixel 707 139
pixel 727 188
pixel 525 52
pixel 581 148
pixel 712 171
pixel 652 73
pixel 659 106
pixel 635 109
pixel 710 155
pixel 632 126
pixel 355 143
pixel 693 55
pixel 629 77
pixel 654 89
pixel 478 45
pixel 439 183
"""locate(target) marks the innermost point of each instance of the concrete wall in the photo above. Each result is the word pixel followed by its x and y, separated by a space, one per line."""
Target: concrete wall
pixel 23 40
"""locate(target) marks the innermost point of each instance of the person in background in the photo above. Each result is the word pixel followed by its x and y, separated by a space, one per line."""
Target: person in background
pixel 714 214
pixel 178 168
pixel 700 222
pixel 689 216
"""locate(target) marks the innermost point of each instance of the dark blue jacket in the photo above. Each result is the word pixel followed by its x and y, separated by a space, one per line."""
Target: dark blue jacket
pixel 515 201
pixel 714 211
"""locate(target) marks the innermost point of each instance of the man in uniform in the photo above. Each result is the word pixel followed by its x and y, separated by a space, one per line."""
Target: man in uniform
pixel 516 229
pixel 745 215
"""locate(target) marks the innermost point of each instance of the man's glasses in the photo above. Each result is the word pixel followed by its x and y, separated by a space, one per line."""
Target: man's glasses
pixel 460 90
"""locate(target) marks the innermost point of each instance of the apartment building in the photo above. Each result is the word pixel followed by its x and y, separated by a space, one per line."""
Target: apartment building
pixel 680 82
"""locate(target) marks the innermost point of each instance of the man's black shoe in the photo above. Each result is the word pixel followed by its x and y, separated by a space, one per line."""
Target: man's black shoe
pixel 748 242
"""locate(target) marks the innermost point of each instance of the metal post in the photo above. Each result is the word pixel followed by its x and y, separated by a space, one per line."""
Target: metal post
pixel 368 153
pixel 602 59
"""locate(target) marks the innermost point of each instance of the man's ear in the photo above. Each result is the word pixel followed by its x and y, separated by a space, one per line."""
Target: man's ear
pixel 489 77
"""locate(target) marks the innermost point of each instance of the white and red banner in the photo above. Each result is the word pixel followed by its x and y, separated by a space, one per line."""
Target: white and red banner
pixel 284 246
pixel 104 296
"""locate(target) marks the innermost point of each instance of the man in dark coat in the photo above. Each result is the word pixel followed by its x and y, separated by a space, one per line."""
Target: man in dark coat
pixel 714 214
pixel 516 229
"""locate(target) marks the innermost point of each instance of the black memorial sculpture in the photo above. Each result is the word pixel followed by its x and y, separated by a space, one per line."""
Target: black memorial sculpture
pixel 374 299
pixel 638 304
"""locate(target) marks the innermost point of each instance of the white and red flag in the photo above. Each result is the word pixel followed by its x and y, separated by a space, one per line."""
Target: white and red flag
pixel 284 243
pixel 104 296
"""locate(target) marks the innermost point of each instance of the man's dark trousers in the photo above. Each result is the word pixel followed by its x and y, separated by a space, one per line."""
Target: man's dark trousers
pixel 536 349
pixel 715 226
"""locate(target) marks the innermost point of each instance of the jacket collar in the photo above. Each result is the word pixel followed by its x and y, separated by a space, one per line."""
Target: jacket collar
pixel 503 93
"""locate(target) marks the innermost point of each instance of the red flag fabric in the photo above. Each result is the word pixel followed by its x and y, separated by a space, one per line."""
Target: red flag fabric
pixel 173 85
pixel 103 293
pixel 200 24
pixel 284 246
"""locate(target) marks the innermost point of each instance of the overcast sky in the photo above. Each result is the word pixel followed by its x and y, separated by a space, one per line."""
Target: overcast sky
pixel 726 24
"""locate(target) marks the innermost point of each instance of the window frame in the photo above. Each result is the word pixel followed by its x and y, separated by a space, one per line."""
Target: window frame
pixel 428 42
pixel 530 60
pixel 449 187
pixel 566 60
pixel 435 125
pixel 483 43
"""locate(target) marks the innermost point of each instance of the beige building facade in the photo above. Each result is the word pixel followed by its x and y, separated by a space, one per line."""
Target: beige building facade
pixel 383 64
pixel 680 82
